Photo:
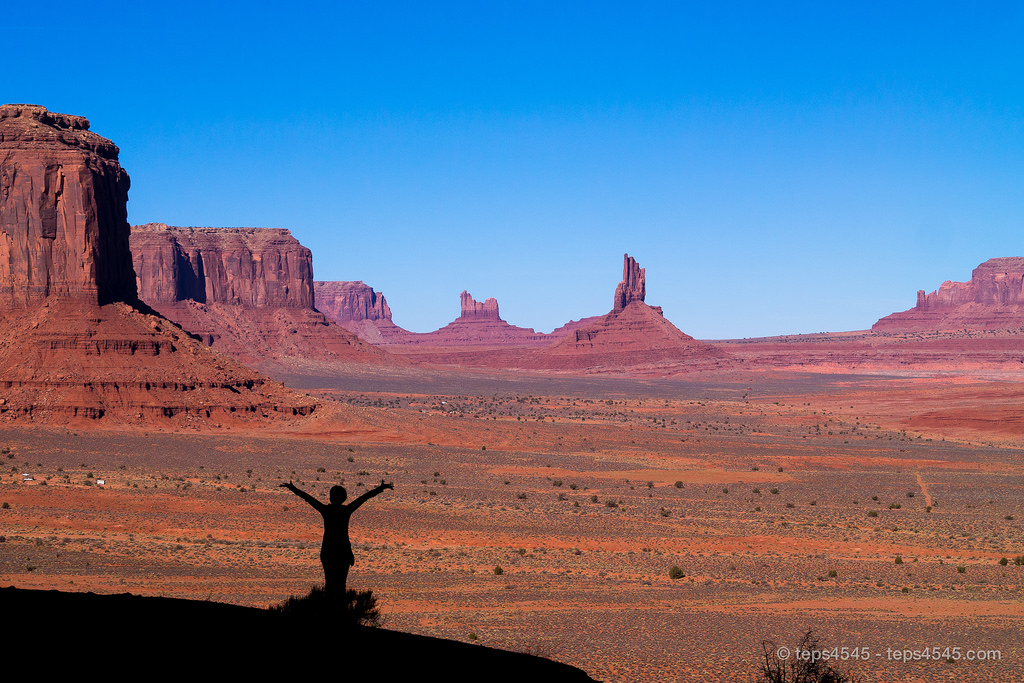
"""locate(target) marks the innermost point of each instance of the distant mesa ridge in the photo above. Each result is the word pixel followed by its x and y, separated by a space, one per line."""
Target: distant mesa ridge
pixel 992 299
pixel 75 343
pixel 245 291
pixel 345 301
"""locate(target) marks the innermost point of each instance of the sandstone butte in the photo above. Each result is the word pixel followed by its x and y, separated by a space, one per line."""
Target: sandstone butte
pixel 74 340
pixel 247 292
pixel 993 299
pixel 633 334
pixel 359 309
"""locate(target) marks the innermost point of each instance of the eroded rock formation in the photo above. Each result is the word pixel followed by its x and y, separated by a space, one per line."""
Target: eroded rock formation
pixel 245 291
pixel 248 267
pixel 477 310
pixel 633 286
pixel 73 342
pixel 632 335
pixel 993 299
pixel 344 301
pixel 63 214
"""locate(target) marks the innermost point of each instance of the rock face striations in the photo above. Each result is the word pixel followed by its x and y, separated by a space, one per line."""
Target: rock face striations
pixel 993 299
pixel 248 267
pixel 63 217
pixel 631 336
pixel 633 286
pixel 73 344
pixel 360 310
pixel 245 291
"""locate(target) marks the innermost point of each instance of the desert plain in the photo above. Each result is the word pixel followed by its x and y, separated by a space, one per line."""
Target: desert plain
pixel 546 513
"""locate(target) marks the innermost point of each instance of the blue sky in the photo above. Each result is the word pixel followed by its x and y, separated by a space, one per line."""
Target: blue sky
pixel 776 167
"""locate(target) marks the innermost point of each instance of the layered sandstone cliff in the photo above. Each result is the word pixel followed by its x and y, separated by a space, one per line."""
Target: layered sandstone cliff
pixel 245 291
pixel 360 310
pixel 993 299
pixel 73 342
pixel 63 216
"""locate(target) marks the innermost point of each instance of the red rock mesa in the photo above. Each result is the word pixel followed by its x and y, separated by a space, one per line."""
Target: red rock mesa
pixel 993 299
pixel 245 291
pixel 72 342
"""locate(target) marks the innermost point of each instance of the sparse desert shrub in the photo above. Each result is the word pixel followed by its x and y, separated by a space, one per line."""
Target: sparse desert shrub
pixel 1019 560
pixel 898 560
pixel 895 506
pixel 874 498
pixel 1008 518
pixel 611 504
pixel 1003 562
pixel 910 494
pixel 796 669
pixel 774 492
pixel 872 513
pixel 666 513
pixel 725 490
pixel 593 498
pixel 6 506
pixel 320 609
pixel 472 635
pixel 832 573
pixel 678 484
pixel 790 505
pixel 521 496
pixel 904 590
pixel 675 573
pixel 556 482
pixel 961 569
pixel 498 571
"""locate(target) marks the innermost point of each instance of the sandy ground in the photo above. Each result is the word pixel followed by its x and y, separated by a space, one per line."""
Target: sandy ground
pixel 544 514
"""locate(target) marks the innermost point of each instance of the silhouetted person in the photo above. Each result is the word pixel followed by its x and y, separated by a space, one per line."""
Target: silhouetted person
pixel 336 548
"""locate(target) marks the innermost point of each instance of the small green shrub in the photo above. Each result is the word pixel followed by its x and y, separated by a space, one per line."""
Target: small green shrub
pixel 774 492
pixel 899 559
pixel 675 573
pixel 498 571
pixel 872 513
pixel 1003 562
pixel 961 569
pixel 678 484
pixel 832 573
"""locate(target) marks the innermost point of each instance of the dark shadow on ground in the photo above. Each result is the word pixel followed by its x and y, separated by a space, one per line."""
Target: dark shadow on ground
pixel 138 636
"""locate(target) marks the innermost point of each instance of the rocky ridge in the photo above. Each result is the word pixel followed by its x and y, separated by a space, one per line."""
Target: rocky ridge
pixel 247 292
pixel 75 343
pixel 992 299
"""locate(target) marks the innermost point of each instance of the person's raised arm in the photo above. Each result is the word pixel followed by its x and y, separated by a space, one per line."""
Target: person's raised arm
pixel 305 496
pixel 376 491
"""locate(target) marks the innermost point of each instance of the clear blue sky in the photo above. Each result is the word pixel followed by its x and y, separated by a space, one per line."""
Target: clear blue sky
pixel 776 167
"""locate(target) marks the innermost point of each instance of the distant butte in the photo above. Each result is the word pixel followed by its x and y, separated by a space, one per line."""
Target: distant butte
pixel 247 292
pixel 993 299
pixel 631 335
pixel 74 342
pixel 360 310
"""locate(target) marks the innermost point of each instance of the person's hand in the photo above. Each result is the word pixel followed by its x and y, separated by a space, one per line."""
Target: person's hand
pixel 386 486
pixel 289 485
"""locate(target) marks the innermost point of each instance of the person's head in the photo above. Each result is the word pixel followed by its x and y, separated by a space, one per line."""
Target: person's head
pixel 338 495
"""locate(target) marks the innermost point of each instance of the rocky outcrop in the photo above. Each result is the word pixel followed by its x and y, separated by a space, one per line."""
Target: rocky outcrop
pixel 633 286
pixel 345 301
pixel 63 214
pixel 477 310
pixel 632 335
pixel 74 344
pixel 993 299
pixel 247 267
pixel 245 291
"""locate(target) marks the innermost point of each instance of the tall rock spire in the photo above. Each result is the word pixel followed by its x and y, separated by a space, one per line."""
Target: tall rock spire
pixel 633 287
